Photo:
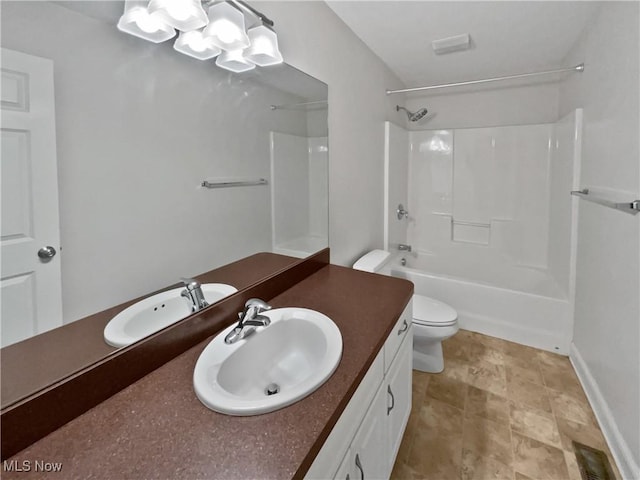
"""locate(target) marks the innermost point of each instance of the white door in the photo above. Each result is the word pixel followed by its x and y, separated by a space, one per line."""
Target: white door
pixel 31 288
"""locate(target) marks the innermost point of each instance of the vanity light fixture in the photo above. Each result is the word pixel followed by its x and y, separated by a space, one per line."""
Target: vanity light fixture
pixel 226 27
pixel 196 45
pixel 138 21
pixel 224 34
pixel 264 47
pixel 184 15
pixel 234 61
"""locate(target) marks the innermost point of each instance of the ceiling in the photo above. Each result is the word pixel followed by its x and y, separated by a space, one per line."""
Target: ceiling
pixel 508 37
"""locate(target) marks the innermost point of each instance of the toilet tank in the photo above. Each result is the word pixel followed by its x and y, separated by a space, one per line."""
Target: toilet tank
pixel 373 262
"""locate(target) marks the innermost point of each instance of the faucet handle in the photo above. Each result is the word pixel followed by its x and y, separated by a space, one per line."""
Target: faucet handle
pixel 259 305
pixel 258 321
pixel 190 283
pixel 249 319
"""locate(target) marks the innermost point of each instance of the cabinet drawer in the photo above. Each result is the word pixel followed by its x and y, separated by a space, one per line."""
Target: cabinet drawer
pixel 401 329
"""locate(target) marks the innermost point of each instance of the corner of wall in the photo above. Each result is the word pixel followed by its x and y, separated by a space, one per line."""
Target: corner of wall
pixel 619 447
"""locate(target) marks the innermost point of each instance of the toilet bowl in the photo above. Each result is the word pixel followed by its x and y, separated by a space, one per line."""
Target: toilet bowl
pixel 433 320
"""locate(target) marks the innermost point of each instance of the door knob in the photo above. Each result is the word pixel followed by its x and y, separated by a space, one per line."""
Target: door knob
pixel 47 252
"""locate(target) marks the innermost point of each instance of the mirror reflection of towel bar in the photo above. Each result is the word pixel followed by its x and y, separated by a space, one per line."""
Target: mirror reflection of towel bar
pixel 632 207
pixel 243 183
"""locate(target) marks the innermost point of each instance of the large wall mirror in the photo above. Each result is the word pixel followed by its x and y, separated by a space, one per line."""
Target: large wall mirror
pixel 136 128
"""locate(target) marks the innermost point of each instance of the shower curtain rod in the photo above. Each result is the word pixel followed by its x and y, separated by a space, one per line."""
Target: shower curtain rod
pixel 577 68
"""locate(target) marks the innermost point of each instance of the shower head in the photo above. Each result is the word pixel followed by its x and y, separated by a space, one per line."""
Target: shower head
pixel 413 116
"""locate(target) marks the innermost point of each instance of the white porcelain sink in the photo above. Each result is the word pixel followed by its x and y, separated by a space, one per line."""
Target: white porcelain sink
pixel 297 352
pixel 156 312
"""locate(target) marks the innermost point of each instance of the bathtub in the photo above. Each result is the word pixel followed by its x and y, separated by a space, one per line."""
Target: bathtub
pixel 519 304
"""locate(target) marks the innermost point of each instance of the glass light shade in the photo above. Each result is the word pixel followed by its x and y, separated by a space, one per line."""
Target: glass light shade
pixel 196 45
pixel 181 14
pixel 234 61
pixel 264 47
pixel 136 20
pixel 226 27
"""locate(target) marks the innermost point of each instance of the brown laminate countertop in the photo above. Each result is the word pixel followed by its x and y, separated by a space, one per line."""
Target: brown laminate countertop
pixel 157 428
pixel 39 361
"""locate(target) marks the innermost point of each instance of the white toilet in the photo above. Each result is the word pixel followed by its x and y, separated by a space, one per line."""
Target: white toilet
pixel 433 321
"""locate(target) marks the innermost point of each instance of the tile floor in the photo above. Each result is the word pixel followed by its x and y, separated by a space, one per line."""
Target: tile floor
pixel 499 411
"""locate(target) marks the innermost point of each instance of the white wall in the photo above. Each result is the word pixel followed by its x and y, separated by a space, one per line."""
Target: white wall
pixel 313 39
pixel 607 317
pixel 487 106
pixel 138 128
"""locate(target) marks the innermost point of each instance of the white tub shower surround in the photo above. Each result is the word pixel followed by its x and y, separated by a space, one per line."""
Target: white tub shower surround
pixel 299 194
pixel 491 224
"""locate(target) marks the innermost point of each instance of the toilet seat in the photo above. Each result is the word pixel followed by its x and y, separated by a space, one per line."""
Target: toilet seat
pixel 433 313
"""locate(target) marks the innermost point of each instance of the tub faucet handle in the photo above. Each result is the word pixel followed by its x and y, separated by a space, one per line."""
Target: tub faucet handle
pixel 402 213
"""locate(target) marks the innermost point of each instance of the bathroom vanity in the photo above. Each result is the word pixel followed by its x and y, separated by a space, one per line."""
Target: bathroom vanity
pixel 365 441
pixel 353 424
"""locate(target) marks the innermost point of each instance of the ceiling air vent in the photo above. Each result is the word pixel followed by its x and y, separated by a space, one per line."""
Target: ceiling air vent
pixel 451 44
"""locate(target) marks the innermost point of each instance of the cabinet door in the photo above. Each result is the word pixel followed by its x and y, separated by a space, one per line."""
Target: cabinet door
pixel 369 447
pixel 397 387
pixel 337 444
pixel 346 468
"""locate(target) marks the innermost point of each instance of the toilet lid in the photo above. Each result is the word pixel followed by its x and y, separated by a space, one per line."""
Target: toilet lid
pixel 427 311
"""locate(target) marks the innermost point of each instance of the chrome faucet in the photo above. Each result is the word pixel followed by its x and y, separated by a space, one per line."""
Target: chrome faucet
pixel 404 248
pixel 193 292
pixel 250 317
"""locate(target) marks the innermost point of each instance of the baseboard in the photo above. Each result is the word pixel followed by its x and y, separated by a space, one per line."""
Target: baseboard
pixel 619 448
pixel 514 332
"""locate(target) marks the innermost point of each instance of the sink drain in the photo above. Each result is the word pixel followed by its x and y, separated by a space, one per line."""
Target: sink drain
pixel 272 389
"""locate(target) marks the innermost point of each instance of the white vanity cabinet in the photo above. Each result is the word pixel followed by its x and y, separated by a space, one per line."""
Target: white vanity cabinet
pixel 364 442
